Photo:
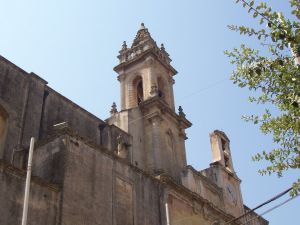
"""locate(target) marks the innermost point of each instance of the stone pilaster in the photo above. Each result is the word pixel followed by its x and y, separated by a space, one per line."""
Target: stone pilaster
pixel 121 78
pixel 155 162
pixel 150 79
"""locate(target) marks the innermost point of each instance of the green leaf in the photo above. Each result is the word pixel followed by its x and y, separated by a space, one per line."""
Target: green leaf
pixel 271 74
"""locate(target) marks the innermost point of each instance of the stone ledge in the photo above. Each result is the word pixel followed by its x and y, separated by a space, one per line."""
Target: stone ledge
pixel 20 173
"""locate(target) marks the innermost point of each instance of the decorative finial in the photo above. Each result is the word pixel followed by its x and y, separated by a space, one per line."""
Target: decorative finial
pixel 162 47
pixel 142 26
pixel 180 111
pixel 113 109
pixel 124 46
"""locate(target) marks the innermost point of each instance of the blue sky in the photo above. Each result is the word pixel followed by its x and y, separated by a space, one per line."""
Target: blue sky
pixel 73 45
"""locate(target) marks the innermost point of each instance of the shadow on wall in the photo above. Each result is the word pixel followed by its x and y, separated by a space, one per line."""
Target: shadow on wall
pixel 3 128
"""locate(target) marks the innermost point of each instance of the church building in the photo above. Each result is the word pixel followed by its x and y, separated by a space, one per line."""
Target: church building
pixel 129 169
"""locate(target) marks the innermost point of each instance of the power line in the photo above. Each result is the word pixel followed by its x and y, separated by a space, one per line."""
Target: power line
pixel 271 209
pixel 279 205
pixel 259 206
pixel 258 215
pixel 189 95
pixel 203 89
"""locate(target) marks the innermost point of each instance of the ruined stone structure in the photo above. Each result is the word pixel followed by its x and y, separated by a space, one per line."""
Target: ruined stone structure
pixel 130 169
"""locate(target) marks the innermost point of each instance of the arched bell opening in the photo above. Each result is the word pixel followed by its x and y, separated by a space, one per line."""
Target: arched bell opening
pixel 138 91
pixel 161 87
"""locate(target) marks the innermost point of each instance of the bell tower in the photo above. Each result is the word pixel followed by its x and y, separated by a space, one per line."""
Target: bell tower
pixel 147 106
pixel 150 72
pixel 223 172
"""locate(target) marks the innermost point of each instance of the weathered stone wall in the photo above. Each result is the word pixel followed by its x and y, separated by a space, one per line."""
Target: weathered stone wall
pixel 13 85
pixel 201 185
pixel 110 136
pixel 182 212
pixel 21 97
pixel 163 144
pixel 186 207
pixel 49 161
pixel 58 109
pixel 173 147
pixel 33 109
pixel 44 199
pixel 98 189
pixel 253 218
pixel 132 121
pixel 3 127
pixel 136 129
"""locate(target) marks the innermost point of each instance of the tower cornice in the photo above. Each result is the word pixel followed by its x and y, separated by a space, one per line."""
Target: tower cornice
pixel 164 108
pixel 142 57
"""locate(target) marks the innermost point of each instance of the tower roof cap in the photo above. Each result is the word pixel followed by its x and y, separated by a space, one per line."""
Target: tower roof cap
pixel 144 44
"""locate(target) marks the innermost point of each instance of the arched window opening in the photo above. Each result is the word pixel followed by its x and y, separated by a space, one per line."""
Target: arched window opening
pixel 3 127
pixel 225 148
pixel 161 92
pixel 140 92
pixel 137 95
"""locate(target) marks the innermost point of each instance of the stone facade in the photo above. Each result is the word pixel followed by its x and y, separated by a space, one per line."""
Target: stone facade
pixel 129 169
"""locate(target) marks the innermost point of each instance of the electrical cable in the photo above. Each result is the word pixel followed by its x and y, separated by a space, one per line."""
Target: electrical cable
pixel 259 206
pixel 189 95
pixel 203 89
pixel 271 209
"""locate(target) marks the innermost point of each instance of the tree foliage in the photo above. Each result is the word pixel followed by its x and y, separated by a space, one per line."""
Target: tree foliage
pixel 273 73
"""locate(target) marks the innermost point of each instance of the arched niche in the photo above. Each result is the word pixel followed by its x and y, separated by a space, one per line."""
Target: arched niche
pixel 3 127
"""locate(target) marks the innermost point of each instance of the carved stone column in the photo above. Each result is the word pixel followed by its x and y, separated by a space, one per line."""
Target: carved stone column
pixel 182 137
pixel 150 78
